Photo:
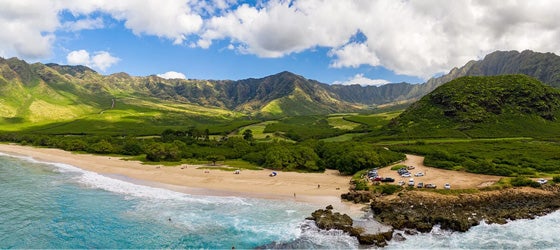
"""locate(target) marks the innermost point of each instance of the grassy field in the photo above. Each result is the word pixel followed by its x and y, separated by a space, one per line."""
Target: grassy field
pixel 339 122
pixel 140 117
pixel 373 121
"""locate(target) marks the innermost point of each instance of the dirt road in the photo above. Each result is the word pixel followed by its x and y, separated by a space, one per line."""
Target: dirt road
pixel 457 180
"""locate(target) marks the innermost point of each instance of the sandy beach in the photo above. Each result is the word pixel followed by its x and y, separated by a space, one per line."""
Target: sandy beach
pixel 320 188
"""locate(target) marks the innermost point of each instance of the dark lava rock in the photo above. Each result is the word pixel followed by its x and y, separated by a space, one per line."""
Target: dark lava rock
pixel 399 237
pixel 326 219
pixel 358 196
pixel 422 210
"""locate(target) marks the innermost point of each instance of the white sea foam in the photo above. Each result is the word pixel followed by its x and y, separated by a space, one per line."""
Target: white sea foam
pixel 539 233
pixel 97 181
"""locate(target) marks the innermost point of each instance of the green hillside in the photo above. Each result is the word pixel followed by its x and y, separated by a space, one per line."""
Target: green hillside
pixel 474 107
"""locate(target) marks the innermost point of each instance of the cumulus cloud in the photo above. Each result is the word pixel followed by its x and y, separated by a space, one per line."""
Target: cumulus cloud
pixel 415 37
pixel 360 79
pixel 101 60
pixel 172 75
pixel 27 28
pixel 171 19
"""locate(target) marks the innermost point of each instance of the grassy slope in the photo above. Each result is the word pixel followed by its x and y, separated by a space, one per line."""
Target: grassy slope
pixel 147 117
pixel 475 107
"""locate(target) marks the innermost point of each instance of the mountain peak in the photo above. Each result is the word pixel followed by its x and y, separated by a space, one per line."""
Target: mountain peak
pixel 77 70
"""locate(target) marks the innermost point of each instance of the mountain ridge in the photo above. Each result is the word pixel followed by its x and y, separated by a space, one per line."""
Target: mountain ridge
pixel 280 94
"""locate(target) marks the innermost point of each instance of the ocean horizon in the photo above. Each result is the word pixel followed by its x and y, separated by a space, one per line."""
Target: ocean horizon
pixel 54 205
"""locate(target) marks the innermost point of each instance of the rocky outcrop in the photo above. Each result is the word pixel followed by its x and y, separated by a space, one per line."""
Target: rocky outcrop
pixel 326 219
pixel 358 196
pixel 422 210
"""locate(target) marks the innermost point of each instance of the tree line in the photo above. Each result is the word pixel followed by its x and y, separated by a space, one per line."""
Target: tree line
pixel 176 145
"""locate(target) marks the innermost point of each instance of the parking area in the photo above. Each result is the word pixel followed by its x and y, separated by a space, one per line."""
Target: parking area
pixel 435 176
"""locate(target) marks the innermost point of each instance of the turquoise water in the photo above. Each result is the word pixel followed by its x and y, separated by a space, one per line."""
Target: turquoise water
pixel 51 205
pixel 46 205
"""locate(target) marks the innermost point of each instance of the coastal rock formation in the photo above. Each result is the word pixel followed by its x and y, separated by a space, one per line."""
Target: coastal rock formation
pixel 327 219
pixel 422 210
pixel 358 196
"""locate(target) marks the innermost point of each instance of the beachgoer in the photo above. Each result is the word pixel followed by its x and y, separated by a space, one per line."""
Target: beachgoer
pixel 318 185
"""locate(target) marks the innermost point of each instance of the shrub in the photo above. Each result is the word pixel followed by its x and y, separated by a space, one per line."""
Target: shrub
pixel 387 189
pixel 523 181
pixel 361 185
pixel 397 167
pixel 556 179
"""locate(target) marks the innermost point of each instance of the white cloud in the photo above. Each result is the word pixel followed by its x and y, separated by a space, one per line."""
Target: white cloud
pixel 84 24
pixel 171 19
pixel 414 37
pixel 172 75
pixel 101 60
pixel 27 28
pixel 359 79
pixel 78 57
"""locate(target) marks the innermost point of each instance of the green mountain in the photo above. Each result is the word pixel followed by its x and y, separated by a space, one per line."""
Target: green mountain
pixel 49 96
pixel 476 106
pixel 545 67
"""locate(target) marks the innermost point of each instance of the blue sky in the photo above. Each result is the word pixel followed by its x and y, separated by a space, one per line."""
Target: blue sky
pixel 344 42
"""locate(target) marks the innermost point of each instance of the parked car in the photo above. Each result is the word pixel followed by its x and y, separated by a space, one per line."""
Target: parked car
pixel 387 179
pixel 419 174
pixel 410 167
pixel 430 185
pixel 401 183
pixel 372 173
pixel 406 175
pixel 402 171
pixel 420 185
pixel 447 186
pixel 376 178
pixel 542 181
pixel 411 182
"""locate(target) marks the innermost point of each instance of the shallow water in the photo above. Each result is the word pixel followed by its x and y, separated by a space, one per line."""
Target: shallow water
pixel 51 205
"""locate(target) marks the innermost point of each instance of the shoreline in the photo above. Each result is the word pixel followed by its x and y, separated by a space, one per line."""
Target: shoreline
pixel 320 189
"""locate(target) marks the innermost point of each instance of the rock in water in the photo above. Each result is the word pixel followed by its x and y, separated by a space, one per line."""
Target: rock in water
pixel 326 220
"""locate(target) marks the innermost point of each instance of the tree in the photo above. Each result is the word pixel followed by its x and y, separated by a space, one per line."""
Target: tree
pixel 215 158
pixel 155 152
pixel 248 135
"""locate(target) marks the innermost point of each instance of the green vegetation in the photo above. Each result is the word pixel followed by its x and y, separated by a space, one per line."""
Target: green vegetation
pixel 505 158
pixel 481 107
pixel 386 189
pixel 523 182
pixel 397 167
pixel 359 182
pixel 301 128
pixel 195 145
pixel 501 125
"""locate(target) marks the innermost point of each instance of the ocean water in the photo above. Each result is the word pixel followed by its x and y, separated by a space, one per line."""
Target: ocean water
pixel 52 205
pixel 540 233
